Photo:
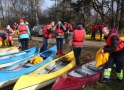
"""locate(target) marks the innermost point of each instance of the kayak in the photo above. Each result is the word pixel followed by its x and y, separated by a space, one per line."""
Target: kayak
pixel 8 50
pixel 11 74
pixel 46 74
pixel 79 77
pixel 9 59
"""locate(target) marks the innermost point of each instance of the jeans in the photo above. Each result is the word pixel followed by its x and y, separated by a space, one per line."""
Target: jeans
pixel 45 44
pixel 77 53
pixel 24 43
pixel 59 43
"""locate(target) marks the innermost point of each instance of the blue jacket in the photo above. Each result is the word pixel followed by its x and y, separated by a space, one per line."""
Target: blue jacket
pixel 24 35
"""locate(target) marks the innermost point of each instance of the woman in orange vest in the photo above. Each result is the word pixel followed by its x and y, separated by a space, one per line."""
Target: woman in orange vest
pixel 77 42
pixel 116 49
pixel 60 29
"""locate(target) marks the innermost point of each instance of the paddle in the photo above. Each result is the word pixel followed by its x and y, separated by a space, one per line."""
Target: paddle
pixel 20 65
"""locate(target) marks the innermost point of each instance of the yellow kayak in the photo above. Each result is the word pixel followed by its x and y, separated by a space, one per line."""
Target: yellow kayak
pixel 46 74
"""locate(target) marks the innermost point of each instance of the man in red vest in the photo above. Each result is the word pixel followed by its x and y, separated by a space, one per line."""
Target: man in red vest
pixel 116 49
pixel 95 28
pixel 101 26
pixel 48 30
pixel 77 42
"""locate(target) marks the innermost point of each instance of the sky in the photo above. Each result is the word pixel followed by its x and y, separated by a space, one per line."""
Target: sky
pixel 47 4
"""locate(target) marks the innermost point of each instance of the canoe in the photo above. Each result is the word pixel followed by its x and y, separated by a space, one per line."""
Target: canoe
pixel 97 37
pixel 8 50
pixel 45 75
pixel 11 74
pixel 9 59
pixel 79 77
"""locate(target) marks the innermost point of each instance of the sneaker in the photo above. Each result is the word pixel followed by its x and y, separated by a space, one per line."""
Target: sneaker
pixel 105 80
pixel 118 80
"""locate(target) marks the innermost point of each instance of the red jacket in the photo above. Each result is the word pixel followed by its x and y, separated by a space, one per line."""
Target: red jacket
pixel 58 30
pixel 22 29
pixel 120 43
pixel 46 33
pixel 101 26
pixel 78 37
pixel 95 27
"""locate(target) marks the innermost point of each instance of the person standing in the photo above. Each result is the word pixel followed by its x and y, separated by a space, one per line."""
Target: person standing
pixel 29 28
pixel 60 29
pixel 101 26
pixel 15 27
pixel 94 30
pixel 24 34
pixel 115 47
pixel 77 42
pixel 48 30
pixel 9 35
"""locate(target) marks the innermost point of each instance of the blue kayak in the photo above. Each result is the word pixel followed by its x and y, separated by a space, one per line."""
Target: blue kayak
pixel 10 59
pixel 11 74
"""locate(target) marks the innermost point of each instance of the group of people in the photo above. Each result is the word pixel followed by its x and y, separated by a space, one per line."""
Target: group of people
pixel 97 27
pixel 114 45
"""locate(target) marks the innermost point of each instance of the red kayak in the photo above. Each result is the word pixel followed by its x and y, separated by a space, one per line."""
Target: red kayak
pixel 79 77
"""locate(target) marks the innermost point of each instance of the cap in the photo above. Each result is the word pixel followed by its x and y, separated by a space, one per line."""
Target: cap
pixel 79 27
pixel 21 20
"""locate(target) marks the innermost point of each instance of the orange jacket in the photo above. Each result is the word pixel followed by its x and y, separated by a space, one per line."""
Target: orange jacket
pixel 46 33
pixel 120 43
pixel 22 29
pixel 78 37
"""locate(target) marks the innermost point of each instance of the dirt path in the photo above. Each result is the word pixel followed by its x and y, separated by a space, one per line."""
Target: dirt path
pixel 87 43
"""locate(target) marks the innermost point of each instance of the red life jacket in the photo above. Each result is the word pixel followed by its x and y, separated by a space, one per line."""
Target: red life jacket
pixel 23 29
pixel 95 28
pixel 58 30
pixel 46 33
pixel 1 39
pixel 15 26
pixel 78 37
pixel 10 38
pixel 120 43
pixel 102 26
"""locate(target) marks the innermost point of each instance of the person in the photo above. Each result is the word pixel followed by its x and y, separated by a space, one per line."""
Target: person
pixel 2 36
pixel 113 30
pixel 69 29
pixel 15 27
pixel 29 28
pixel 9 35
pixel 116 49
pixel 48 30
pixel 94 30
pixel 77 42
pixel 101 26
pixel 24 34
pixel 60 29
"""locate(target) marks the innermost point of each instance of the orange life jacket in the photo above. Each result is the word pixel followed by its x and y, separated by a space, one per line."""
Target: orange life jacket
pixel 120 43
pixel 23 29
pixel 58 30
pixel 78 37
pixel 95 27
pixel 46 33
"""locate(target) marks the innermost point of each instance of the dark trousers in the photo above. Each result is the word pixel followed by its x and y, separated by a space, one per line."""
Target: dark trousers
pixel 93 35
pixel 24 43
pixel 10 43
pixel 117 59
pixel 100 31
pixel 59 43
pixel 66 38
pixel 77 53
pixel 45 44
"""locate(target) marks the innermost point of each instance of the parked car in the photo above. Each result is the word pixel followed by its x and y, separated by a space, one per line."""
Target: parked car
pixel 37 30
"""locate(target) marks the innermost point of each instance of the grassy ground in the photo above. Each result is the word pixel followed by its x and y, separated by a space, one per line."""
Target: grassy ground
pixel 88 53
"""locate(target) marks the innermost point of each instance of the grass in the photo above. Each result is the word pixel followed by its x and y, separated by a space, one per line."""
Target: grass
pixel 88 53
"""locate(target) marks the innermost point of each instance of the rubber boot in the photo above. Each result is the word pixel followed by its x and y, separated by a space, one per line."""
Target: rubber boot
pixel 60 52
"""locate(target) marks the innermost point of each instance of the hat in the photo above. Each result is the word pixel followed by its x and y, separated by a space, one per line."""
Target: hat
pixel 21 20
pixel 26 23
pixel 8 26
pixel 79 27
